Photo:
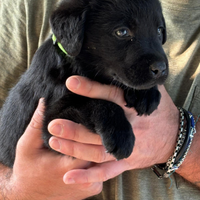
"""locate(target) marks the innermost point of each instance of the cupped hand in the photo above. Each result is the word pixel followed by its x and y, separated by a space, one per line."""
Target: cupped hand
pixel 155 135
pixel 38 172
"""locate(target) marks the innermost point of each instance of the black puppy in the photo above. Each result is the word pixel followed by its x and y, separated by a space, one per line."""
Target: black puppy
pixel 115 42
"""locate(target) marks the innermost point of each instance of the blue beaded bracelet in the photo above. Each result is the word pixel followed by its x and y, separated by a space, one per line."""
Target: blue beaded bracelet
pixel 184 142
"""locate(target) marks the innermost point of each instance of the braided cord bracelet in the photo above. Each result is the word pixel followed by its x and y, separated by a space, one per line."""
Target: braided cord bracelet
pixel 183 144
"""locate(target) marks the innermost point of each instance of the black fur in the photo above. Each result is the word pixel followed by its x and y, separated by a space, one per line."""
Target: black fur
pixel 115 42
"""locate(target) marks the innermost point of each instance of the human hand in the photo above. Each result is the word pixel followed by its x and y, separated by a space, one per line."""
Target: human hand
pixel 37 172
pixel 155 135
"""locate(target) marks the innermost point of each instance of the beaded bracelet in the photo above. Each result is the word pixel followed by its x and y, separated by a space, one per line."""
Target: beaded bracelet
pixel 183 144
pixel 191 131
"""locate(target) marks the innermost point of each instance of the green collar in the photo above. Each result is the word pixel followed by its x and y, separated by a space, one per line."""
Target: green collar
pixel 59 44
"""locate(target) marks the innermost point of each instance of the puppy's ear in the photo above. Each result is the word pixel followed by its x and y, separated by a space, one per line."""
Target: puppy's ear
pixel 67 23
pixel 164 32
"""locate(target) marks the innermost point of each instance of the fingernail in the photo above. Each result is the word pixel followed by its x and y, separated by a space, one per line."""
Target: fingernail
pixel 56 129
pixel 42 101
pixel 69 181
pixel 55 144
pixel 41 105
pixel 73 83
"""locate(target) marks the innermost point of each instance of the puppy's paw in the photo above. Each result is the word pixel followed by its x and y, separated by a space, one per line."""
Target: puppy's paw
pixel 109 121
pixel 148 101
pixel 144 101
pixel 119 139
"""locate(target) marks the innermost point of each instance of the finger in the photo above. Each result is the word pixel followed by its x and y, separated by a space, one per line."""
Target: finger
pixel 92 89
pixel 92 153
pixel 97 173
pixel 32 135
pixel 72 131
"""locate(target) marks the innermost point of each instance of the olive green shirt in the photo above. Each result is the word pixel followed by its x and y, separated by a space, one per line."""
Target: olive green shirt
pixel 24 25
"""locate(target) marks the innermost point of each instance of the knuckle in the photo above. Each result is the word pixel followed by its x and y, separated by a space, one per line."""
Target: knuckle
pixel 66 148
pixel 76 132
pixel 71 150
pixel 90 88
pixel 36 121
pixel 105 177
pixel 100 155
pixel 19 145
pixel 114 93
pixel 102 176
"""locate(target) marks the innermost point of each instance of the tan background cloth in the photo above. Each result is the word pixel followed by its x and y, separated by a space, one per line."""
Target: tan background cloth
pixel 24 25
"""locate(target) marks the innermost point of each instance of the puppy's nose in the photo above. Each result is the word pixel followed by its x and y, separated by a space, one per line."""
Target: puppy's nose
pixel 158 69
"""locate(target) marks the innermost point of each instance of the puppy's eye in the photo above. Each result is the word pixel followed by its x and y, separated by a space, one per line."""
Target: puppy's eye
pixel 160 31
pixel 123 33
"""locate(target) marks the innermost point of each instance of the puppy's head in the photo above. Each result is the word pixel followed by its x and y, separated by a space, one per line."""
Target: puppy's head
pixel 119 40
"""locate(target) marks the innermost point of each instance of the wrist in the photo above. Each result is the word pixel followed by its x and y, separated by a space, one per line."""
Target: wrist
pixel 185 159
pixel 190 167
pixel 171 129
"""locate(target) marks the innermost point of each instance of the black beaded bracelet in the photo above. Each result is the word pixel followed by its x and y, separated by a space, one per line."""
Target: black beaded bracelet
pixel 191 130
pixel 188 132
pixel 183 144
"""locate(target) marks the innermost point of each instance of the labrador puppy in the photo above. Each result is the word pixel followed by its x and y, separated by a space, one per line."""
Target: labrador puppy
pixel 114 42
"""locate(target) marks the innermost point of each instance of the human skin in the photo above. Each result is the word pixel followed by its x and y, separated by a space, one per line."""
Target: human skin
pixel 155 138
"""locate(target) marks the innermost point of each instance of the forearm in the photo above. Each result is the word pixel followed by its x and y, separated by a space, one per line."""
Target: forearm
pixel 190 169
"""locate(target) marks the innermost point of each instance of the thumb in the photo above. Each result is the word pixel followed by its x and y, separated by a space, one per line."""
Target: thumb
pixel 96 173
pixel 31 139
